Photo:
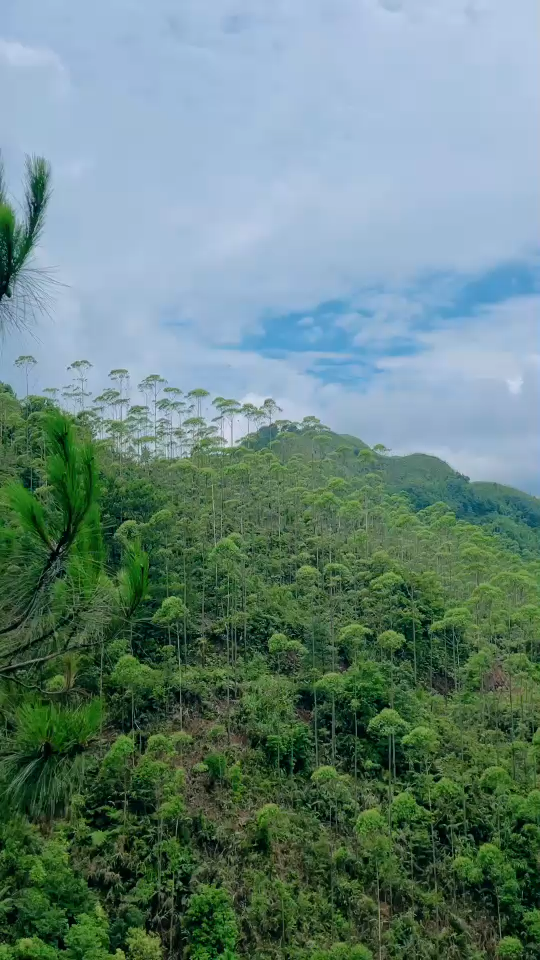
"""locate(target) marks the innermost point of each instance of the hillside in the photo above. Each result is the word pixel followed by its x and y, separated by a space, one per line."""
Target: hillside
pixel 426 480
pixel 256 705
pixel 511 513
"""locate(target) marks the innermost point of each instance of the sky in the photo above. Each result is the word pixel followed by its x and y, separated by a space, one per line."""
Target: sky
pixel 332 202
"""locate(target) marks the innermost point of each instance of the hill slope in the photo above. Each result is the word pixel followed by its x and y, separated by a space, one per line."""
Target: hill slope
pixel 314 736
pixel 426 480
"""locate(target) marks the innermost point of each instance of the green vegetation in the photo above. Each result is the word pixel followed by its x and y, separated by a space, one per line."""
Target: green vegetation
pixel 267 698
pixel 511 514
pixel 23 287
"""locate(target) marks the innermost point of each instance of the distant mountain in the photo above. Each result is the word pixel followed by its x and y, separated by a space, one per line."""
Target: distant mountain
pixel 512 514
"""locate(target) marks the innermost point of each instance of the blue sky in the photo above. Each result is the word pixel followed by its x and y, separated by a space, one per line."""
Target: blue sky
pixel 353 335
pixel 334 202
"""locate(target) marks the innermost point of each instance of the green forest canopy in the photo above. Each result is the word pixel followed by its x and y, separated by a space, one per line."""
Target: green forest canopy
pixel 268 698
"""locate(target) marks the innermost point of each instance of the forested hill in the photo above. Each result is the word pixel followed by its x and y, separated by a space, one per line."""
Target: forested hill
pixel 254 705
pixel 425 480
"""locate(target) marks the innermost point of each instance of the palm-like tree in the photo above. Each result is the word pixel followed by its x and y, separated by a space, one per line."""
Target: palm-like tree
pixel 23 287
pixel 43 759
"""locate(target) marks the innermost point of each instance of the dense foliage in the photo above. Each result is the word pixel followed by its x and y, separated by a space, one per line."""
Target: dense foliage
pixel 309 732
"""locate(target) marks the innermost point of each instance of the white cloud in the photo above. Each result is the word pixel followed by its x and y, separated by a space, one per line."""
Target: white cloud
pixel 310 148
pixel 381 316
pixel 219 162
pixel 472 396
pixel 494 344
pixel 16 54
pixel 453 403
pixel 514 385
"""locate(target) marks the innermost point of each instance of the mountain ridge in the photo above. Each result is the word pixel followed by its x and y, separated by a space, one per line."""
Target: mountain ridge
pixel 426 479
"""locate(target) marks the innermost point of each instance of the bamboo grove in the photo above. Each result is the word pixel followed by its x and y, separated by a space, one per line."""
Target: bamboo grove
pixel 270 710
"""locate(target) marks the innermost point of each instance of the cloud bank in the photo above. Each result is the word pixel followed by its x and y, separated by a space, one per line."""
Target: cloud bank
pixel 221 165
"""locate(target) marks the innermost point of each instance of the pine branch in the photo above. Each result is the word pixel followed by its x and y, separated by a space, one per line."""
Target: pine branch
pixel 72 479
pixel 21 288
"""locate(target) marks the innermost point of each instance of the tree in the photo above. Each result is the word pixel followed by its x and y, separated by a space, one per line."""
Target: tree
pixel 423 744
pixel 388 723
pixel 500 876
pixel 509 948
pixel 391 642
pixel 376 848
pixel 249 411
pixel 51 558
pixel 144 946
pixel 151 386
pixel 331 685
pixel 352 639
pixel 137 680
pixel 269 410
pixel 288 653
pixel 88 939
pixel 343 951
pixel 211 925
pixel 199 395
pixel 23 287
pixel 121 376
pixel 172 614
pixel 26 362
pixel 42 759
pixel 79 369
